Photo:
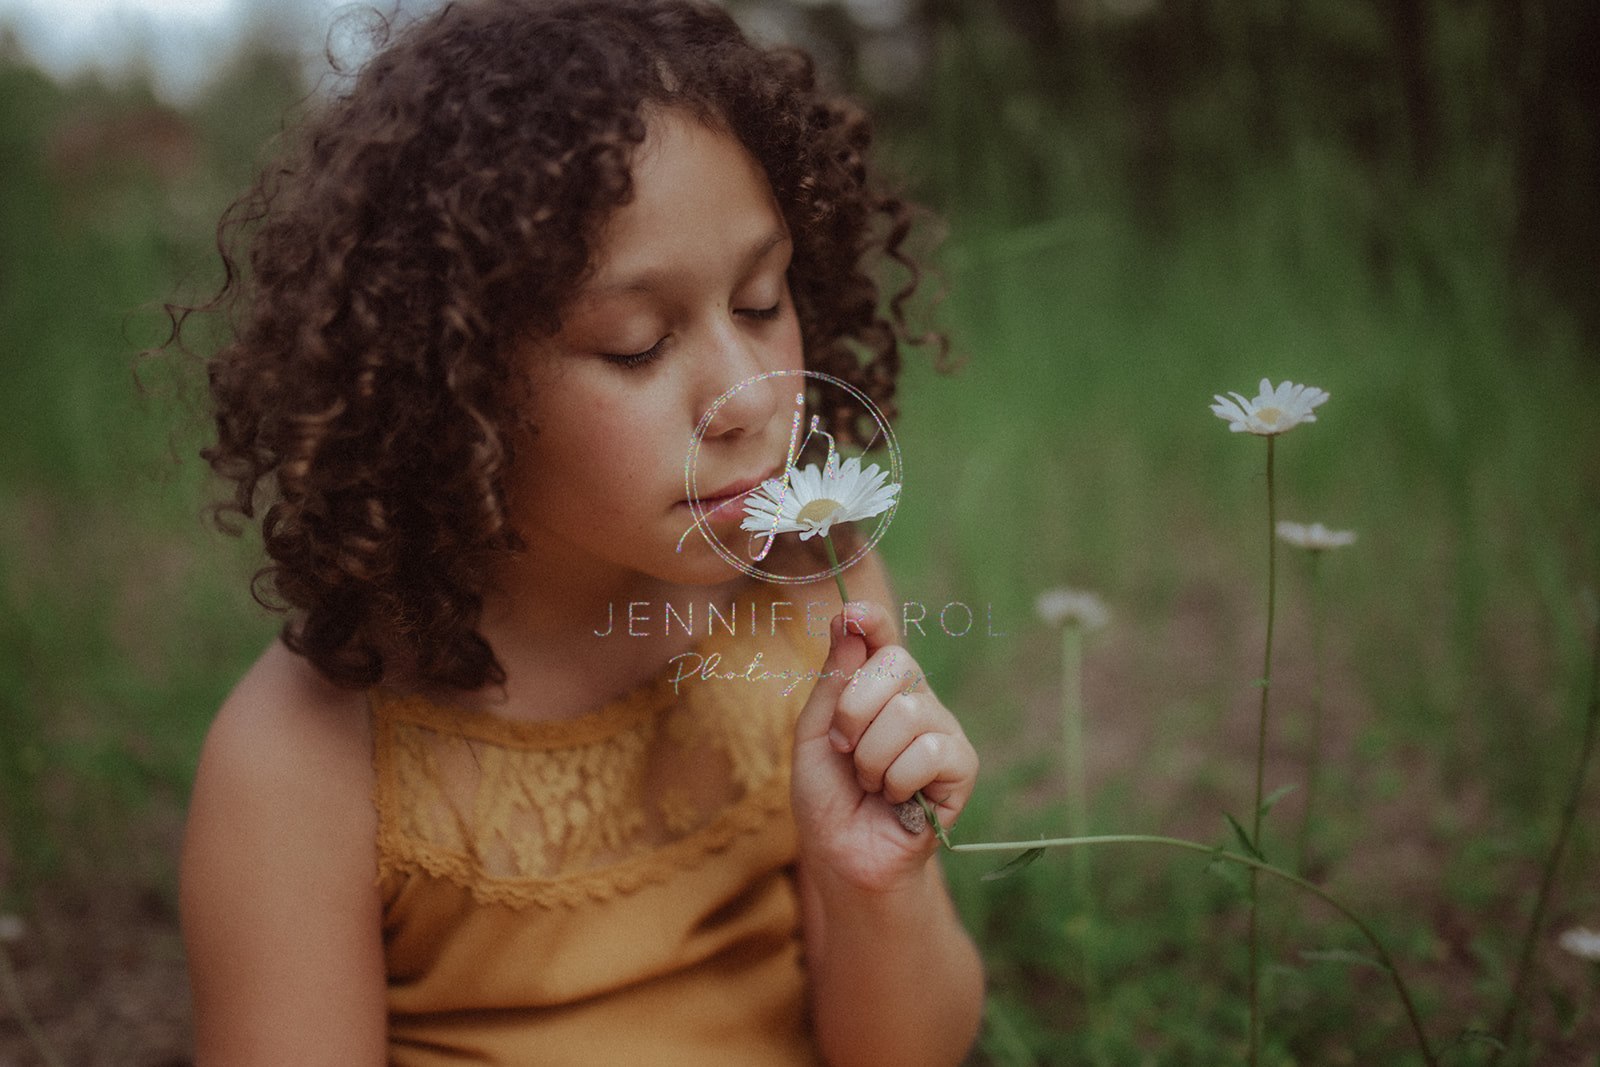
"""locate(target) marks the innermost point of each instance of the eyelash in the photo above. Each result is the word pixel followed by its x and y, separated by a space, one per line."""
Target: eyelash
pixel 633 360
pixel 763 314
pixel 638 359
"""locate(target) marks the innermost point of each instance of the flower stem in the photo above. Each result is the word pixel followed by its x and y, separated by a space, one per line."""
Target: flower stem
pixel 833 565
pixel 1506 1031
pixel 1073 762
pixel 1261 762
pixel 1075 767
pixel 932 814
pixel 1314 743
pixel 1257 867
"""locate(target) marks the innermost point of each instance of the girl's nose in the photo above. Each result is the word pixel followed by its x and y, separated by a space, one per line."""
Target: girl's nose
pixel 742 387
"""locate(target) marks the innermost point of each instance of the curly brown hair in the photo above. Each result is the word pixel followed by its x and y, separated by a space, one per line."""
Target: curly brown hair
pixel 440 209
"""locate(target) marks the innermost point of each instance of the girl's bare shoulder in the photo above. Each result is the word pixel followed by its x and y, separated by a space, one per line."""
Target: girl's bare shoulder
pixel 281 912
pixel 285 728
pixel 286 773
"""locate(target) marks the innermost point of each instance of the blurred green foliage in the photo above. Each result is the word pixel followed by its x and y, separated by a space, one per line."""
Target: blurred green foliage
pixel 123 621
pixel 1147 204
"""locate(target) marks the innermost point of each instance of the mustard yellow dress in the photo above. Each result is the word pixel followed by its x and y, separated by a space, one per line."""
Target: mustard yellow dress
pixel 613 889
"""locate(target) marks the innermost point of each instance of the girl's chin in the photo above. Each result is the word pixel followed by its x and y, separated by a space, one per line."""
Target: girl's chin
pixel 786 560
pixel 698 563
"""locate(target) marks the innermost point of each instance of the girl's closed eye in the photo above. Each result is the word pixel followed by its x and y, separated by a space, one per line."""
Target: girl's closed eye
pixel 630 360
pixel 766 314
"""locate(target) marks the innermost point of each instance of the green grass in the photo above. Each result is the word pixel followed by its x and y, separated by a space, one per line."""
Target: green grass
pixel 126 620
pixel 1077 448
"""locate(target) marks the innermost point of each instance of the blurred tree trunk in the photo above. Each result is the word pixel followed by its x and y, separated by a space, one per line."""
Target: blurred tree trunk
pixel 1411 21
pixel 1550 60
pixel 1178 106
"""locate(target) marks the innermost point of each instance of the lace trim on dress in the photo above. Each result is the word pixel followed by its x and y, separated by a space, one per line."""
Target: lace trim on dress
pixel 557 813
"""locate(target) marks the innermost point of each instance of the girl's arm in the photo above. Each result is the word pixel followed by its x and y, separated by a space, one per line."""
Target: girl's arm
pixel 281 913
pixel 894 977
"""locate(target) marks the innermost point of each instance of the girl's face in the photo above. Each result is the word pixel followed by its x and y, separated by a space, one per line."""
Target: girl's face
pixel 688 298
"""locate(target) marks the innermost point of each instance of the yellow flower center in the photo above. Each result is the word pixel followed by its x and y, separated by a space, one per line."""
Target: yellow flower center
pixel 819 510
pixel 1270 416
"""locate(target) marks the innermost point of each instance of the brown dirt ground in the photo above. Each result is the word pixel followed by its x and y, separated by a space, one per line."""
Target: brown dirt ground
pixel 96 952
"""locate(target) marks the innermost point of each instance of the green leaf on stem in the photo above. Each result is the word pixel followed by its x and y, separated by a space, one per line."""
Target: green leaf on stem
pixel 1244 839
pixel 1277 795
pixel 1473 1036
pixel 1344 956
pixel 1016 864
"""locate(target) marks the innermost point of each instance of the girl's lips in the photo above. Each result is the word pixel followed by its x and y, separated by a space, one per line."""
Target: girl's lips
pixel 719 509
pixel 727 501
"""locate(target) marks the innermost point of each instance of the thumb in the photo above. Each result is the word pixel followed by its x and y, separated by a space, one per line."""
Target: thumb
pixel 847 652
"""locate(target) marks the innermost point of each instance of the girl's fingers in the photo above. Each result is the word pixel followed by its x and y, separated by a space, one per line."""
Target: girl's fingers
pixel 847 651
pixel 889 674
pixel 902 720
pixel 942 766
pixel 871 622
pixel 857 634
pixel 871 704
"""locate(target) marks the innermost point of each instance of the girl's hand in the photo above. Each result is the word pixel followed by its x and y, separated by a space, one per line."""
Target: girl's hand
pixel 870 736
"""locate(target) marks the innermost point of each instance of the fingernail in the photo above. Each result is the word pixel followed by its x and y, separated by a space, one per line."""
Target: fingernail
pixel 838 740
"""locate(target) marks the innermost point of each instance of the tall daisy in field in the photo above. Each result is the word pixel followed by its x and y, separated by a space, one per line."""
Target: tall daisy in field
pixel 1077 613
pixel 1317 540
pixel 1069 607
pixel 1274 410
pixel 1582 943
pixel 1315 537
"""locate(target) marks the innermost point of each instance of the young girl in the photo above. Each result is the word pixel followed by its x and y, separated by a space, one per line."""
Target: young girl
pixel 471 807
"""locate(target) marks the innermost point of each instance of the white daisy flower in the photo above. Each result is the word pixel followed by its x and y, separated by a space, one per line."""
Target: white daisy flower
pixel 1274 411
pixel 1058 606
pixel 808 502
pixel 1584 944
pixel 1314 538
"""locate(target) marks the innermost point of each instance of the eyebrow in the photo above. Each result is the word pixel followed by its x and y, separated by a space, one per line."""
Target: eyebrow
pixel 646 280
